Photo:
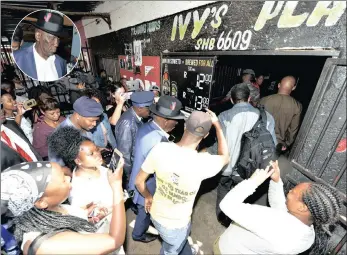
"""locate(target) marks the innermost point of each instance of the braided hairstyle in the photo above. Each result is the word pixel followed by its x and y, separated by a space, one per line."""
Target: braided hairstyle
pixel 66 142
pixel 324 204
pixel 44 221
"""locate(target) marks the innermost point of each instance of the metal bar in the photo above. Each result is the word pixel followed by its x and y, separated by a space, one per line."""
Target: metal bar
pixel 31 9
pixel 326 125
pixel 312 177
pixel 339 246
pixel 295 52
pixel 338 177
pixel 5 51
pixel 90 62
pixel 331 152
pixel 316 99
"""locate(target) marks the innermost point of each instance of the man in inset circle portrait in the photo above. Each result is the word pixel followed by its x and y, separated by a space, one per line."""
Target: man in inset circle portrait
pixel 40 61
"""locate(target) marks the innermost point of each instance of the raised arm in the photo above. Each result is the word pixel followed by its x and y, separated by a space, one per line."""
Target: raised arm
pixel 78 243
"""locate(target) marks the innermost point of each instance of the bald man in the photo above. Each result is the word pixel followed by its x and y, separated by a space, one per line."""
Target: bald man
pixel 286 112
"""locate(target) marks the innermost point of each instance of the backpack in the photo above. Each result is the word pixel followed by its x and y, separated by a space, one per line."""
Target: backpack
pixel 257 148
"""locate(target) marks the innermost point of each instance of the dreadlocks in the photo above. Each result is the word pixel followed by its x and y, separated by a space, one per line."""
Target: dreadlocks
pixel 66 142
pixel 324 204
pixel 43 221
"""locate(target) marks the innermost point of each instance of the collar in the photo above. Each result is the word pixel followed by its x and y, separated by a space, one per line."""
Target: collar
pixel 37 55
pixel 243 104
pixel 137 116
pixel 165 134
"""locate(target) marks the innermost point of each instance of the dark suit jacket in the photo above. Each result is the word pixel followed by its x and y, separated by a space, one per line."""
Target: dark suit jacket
pixel 26 62
pixel 10 157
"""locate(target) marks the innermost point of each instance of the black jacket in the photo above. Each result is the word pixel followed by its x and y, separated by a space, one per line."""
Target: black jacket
pixel 10 157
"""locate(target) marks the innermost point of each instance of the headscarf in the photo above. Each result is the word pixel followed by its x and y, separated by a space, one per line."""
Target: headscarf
pixel 23 184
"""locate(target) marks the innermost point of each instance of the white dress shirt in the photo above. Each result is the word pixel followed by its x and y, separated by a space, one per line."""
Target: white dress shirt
pixel 45 68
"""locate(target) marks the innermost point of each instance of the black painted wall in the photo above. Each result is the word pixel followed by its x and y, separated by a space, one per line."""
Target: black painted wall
pixel 238 16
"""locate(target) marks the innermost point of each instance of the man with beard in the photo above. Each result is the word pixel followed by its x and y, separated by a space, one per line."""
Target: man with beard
pixel 40 61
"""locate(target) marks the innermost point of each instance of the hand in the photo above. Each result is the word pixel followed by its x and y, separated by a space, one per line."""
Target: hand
pixel 148 203
pixel 260 175
pixel 276 173
pixel 116 177
pixel 21 110
pixel 81 85
pixel 213 116
pixel 120 99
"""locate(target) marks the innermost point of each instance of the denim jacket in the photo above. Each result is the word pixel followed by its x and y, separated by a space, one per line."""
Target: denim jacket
pixel 98 135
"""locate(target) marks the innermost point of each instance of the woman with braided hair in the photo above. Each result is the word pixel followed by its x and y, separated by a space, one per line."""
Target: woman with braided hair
pixel 33 192
pixel 289 226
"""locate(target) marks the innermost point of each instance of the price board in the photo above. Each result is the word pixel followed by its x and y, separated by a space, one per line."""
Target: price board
pixel 189 79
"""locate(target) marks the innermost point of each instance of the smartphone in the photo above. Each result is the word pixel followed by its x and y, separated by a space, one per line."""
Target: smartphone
pixel 115 159
pixel 127 95
pixel 29 104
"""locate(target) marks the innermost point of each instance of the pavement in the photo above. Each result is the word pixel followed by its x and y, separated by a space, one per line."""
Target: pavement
pixel 205 227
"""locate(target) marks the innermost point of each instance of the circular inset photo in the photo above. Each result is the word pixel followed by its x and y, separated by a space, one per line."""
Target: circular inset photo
pixel 46 45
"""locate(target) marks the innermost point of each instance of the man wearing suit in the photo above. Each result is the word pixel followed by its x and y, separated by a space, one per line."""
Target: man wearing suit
pixel 165 115
pixel 40 61
pixel 15 146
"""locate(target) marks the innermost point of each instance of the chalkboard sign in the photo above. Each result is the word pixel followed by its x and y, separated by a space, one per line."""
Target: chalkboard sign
pixel 189 79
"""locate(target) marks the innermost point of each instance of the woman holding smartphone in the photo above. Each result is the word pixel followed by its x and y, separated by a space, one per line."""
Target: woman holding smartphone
pixel 16 110
pixel 34 192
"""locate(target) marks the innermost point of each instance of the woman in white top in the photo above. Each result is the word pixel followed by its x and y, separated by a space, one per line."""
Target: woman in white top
pixel 10 106
pixel 34 191
pixel 289 226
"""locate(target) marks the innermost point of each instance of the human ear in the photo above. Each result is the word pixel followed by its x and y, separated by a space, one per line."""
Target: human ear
pixel 303 208
pixel 37 35
pixel 41 203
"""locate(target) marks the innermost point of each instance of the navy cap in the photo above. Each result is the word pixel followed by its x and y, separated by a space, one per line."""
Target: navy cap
pixel 142 98
pixel 87 107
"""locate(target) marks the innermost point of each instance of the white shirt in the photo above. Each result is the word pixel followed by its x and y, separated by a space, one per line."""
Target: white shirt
pixel 45 68
pixel 166 134
pixel 86 190
pixel 18 140
pixel 260 229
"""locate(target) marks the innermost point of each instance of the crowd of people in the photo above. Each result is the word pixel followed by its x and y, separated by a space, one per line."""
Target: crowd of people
pixel 63 193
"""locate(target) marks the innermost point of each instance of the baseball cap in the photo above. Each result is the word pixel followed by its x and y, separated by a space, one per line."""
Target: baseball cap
pixel 248 71
pixel 199 123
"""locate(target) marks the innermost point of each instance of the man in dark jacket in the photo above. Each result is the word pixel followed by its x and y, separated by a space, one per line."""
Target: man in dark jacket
pixel 127 126
pixel 15 146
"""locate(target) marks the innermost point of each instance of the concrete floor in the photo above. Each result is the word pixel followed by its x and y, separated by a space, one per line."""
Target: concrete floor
pixel 205 227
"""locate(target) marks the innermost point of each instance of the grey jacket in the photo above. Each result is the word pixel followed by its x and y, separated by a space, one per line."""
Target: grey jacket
pixel 236 121
pixel 125 133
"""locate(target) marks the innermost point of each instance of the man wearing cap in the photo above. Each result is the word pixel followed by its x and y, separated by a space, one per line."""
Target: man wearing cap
pixel 40 61
pixel 248 78
pixel 86 114
pixel 166 114
pixel 127 127
pixel 179 170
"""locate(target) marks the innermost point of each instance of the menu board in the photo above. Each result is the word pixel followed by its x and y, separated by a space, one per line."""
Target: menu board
pixel 189 79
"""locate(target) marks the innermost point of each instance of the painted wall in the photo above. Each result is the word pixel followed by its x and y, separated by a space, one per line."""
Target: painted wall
pixel 225 26
pixel 129 13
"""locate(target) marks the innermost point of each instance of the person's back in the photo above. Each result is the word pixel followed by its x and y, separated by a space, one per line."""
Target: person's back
pixel 285 110
pixel 179 172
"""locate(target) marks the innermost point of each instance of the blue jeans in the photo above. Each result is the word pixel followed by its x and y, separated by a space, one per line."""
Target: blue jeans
pixel 174 240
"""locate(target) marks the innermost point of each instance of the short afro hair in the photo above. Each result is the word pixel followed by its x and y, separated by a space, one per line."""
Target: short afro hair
pixel 65 142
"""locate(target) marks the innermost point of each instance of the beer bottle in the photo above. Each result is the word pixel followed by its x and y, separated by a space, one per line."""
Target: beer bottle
pixel 166 81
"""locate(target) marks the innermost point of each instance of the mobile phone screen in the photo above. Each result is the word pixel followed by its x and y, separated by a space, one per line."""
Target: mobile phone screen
pixel 115 159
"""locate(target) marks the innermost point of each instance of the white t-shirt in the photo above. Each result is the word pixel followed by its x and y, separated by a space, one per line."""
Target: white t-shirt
pixel 260 229
pixel 45 68
pixel 179 172
pixel 86 190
